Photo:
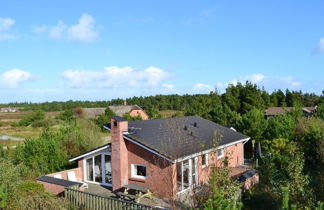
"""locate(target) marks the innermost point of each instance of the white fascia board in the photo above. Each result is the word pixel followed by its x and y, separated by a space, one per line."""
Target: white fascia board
pixel 148 149
pixel 211 150
pixel 107 128
pixel 89 153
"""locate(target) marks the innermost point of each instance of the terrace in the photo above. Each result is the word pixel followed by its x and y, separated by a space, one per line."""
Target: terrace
pixel 107 192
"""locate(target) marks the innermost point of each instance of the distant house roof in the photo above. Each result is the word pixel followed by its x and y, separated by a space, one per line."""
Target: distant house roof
pixel 123 109
pixel 282 110
pixel 119 110
pixel 179 137
pixel 278 110
pixel 93 112
pixel 309 109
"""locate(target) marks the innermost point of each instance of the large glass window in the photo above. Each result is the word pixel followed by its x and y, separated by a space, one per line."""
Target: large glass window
pixel 98 169
pixel 187 174
pixel 179 176
pixel 89 167
pixel 108 174
pixel 185 171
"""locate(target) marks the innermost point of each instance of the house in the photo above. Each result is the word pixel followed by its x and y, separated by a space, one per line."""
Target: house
pixel 133 111
pixel 119 110
pixel 169 156
pixel 274 111
pixel 8 110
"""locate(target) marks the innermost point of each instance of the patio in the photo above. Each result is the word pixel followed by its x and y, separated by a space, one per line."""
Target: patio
pixel 107 192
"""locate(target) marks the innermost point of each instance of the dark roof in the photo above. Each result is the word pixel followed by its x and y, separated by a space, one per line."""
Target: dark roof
pixel 118 118
pixel 246 175
pixel 181 136
pixel 61 182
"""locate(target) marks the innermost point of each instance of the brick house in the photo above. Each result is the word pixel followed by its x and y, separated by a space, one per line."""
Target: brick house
pixel 119 110
pixel 275 111
pixel 169 156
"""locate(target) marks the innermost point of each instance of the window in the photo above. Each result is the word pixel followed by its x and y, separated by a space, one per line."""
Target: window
pixel 89 167
pixel 220 153
pixel 204 160
pixel 138 171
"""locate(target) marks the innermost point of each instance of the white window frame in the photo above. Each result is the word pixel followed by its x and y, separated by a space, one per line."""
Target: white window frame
pixel 134 175
pixel 206 161
pixel 222 155
pixel 92 156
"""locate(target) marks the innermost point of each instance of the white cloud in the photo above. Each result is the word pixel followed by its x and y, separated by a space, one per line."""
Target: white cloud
pixel 269 82
pixel 116 77
pixel 40 29
pixel 86 30
pixel 5 28
pixel 14 78
pixel 202 88
pixel 320 46
pixel 57 31
pixel 168 86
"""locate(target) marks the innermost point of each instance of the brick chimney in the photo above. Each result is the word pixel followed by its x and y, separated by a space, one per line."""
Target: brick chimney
pixel 119 156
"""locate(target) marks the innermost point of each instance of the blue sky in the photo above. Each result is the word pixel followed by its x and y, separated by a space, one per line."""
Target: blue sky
pixel 99 50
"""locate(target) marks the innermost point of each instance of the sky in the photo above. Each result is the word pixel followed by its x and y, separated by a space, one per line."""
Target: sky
pixel 99 50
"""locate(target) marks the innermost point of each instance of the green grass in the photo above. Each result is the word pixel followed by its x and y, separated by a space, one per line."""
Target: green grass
pixel 6 119
pixel 4 143
pixel 169 113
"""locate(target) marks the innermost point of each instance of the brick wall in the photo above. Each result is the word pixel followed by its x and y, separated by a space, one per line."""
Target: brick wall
pixel 119 154
pixel 234 154
pixel 58 189
pixel 78 173
pixel 139 112
pixel 52 188
pixel 160 173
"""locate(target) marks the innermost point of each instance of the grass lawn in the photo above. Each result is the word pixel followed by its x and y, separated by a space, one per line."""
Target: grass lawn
pixel 10 143
pixel 169 113
pixel 20 131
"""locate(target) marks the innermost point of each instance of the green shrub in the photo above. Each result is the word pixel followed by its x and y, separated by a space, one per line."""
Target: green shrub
pixel 105 118
pixel 130 118
pixel 43 154
pixel 44 123
pixel 67 115
pixel 26 121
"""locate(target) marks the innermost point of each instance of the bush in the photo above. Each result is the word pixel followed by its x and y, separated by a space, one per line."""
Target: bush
pixel 79 112
pixel 44 123
pixel 43 154
pixel 67 116
pixel 105 118
pixel 18 191
pixel 81 136
pixel 26 121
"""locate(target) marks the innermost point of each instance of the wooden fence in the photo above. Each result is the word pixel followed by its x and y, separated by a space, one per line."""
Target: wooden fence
pixel 84 200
